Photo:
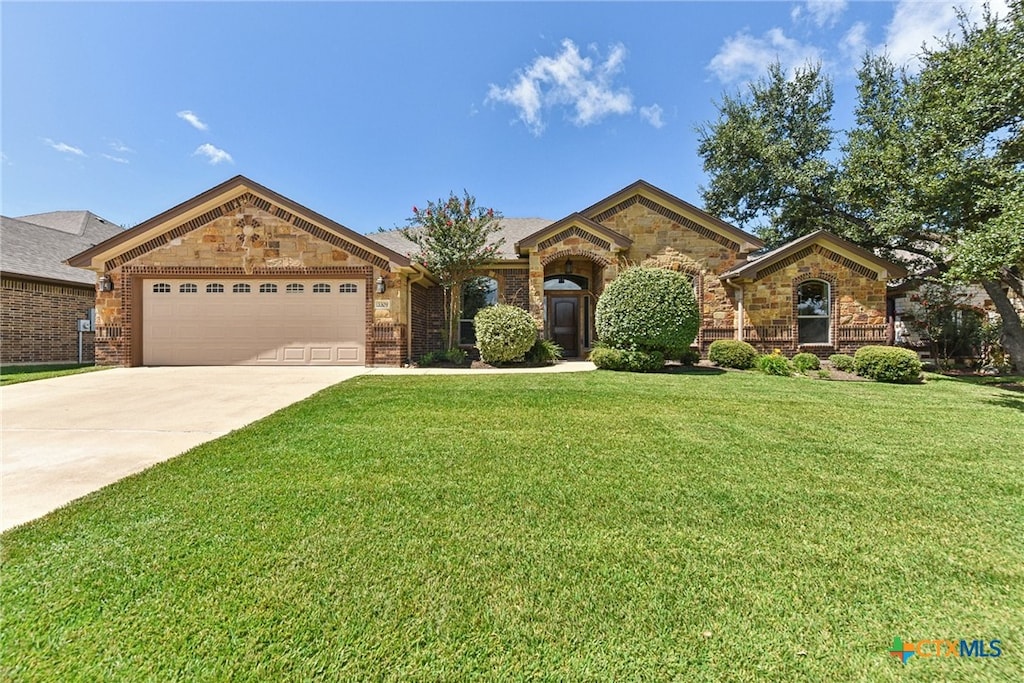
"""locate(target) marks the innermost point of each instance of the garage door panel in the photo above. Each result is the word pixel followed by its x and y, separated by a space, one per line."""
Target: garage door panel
pixel 289 328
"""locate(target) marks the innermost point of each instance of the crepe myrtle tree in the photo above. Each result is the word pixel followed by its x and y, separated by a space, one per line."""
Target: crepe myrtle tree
pixel 453 237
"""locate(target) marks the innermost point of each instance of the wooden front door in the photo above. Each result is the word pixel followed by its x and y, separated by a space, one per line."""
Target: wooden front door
pixel 565 321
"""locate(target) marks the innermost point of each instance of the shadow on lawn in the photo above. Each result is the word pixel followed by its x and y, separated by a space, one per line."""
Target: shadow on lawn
pixel 691 370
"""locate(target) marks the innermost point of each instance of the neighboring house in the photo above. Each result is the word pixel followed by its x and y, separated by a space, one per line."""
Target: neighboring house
pixel 242 275
pixel 41 298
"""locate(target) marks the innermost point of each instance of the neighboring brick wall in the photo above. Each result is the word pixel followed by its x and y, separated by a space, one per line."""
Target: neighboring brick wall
pixel 39 322
pixel 427 320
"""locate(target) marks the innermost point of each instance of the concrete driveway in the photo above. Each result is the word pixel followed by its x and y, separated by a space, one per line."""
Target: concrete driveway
pixel 69 436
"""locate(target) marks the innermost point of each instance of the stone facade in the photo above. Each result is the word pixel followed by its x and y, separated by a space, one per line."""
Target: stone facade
pixel 39 322
pixel 857 305
pixel 249 237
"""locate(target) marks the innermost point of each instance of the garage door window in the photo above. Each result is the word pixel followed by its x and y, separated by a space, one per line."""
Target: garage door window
pixel 241 288
pixel 294 288
pixel 188 288
pixel 321 288
pixel 348 288
pixel 214 288
pixel 268 288
pixel 161 288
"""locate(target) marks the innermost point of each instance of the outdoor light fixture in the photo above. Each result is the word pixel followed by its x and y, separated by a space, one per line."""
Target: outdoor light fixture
pixel 106 284
pixel 568 267
pixel 381 285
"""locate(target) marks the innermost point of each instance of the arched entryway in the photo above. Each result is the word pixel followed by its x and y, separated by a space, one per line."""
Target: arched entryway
pixel 570 296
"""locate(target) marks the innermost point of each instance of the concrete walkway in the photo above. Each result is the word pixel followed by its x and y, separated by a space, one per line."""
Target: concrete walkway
pixel 65 437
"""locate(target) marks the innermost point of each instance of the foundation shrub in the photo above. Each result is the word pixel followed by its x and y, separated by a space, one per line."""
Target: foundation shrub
pixel 504 333
pixel 544 352
pixel 627 360
pixel 774 364
pixel 648 309
pixel 729 353
pixel 887 364
pixel 806 361
pixel 841 362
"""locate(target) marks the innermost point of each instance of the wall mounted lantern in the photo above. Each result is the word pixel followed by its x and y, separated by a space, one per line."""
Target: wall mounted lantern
pixel 568 267
pixel 381 285
pixel 106 284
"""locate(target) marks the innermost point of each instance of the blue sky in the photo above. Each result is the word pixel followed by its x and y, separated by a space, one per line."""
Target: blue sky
pixel 360 110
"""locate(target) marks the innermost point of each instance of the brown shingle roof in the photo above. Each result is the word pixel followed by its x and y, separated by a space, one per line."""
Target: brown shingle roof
pixel 511 229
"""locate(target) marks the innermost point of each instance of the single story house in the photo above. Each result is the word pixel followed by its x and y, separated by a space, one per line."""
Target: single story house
pixel 41 298
pixel 242 275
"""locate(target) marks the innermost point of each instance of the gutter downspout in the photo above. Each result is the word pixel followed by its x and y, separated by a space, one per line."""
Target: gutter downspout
pixel 739 307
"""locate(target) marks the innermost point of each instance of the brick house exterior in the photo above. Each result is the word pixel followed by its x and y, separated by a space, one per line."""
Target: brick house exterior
pixel 41 299
pixel 182 270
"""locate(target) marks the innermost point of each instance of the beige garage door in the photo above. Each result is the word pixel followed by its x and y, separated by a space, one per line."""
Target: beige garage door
pixel 253 322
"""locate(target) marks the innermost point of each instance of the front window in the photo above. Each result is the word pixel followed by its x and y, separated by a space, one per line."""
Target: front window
pixel 812 312
pixel 477 293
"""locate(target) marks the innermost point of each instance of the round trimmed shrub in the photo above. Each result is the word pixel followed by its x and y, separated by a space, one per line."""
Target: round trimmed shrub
pixel 504 333
pixel 806 361
pixel 648 309
pixel 730 353
pixel 774 364
pixel 887 364
pixel 627 360
pixel 841 362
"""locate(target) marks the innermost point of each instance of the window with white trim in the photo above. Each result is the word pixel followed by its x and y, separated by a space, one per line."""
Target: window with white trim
pixel 268 288
pixel 188 288
pixel 347 288
pixel 161 288
pixel 321 288
pixel 294 288
pixel 241 288
pixel 812 312
pixel 215 288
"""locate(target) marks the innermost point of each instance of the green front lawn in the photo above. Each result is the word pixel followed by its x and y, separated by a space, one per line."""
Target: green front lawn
pixel 594 526
pixel 15 374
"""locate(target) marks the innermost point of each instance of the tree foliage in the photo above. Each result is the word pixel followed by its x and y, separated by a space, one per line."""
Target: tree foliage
pixel 932 172
pixel 454 238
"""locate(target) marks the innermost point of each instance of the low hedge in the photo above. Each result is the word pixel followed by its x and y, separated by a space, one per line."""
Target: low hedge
pixel 627 360
pixel 806 361
pixel 841 362
pixel 887 364
pixel 730 353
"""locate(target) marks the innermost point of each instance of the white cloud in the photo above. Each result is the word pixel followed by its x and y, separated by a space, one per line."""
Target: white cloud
pixel 116 159
pixel 567 80
pixel 854 44
pixel 915 23
pixel 652 115
pixel 193 120
pixel 64 147
pixel 213 154
pixel 743 56
pixel 822 12
pixel 120 147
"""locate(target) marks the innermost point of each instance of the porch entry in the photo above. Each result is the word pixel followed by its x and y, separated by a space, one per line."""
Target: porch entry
pixel 568 315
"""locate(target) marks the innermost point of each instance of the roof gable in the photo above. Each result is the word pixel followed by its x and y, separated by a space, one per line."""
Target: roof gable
pixel 223 200
pixel 575 225
pixel 848 254
pixel 675 209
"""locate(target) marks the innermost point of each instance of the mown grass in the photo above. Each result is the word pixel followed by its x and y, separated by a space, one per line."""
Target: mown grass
pixel 16 374
pixel 595 526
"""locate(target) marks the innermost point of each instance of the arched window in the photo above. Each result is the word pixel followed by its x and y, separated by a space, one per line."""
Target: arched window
pixel 480 292
pixel 565 282
pixel 812 312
